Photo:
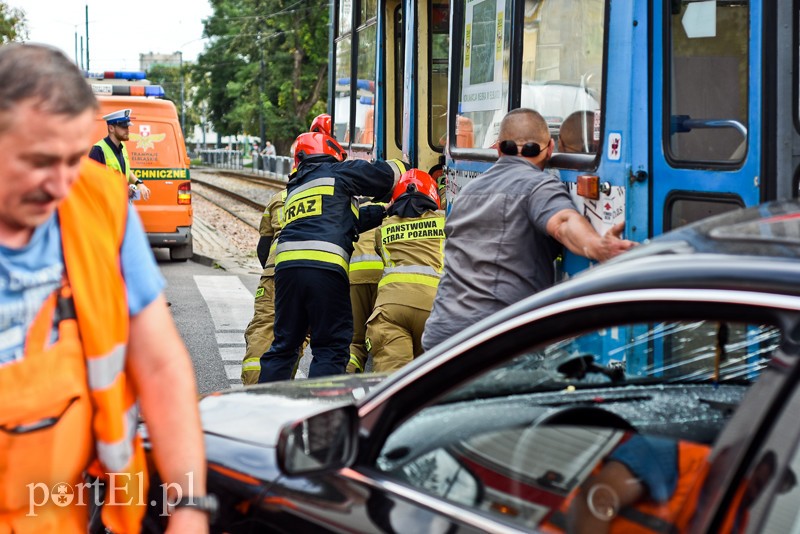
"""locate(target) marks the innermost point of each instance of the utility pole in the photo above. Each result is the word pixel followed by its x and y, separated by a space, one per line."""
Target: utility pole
pixel 183 113
pixel 87 36
pixel 261 129
pixel 77 61
pixel 81 52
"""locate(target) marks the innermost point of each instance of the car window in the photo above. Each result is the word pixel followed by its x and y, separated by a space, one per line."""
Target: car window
pixel 613 425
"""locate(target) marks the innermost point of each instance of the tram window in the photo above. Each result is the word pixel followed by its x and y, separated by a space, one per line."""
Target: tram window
pixel 369 10
pixel 364 133
pixel 439 17
pixel 483 90
pixel 345 17
pixel 562 69
pixel 707 87
pixel 341 105
pixel 399 69
pixel 688 207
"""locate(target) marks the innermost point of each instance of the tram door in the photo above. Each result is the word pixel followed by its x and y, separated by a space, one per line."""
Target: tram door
pixel 424 112
pixel 706 123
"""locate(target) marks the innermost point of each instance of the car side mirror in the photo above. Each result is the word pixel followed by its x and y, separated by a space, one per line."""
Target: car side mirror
pixel 326 441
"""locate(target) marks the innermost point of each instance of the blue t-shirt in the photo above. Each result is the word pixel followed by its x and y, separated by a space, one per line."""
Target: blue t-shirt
pixel 30 274
pixel 654 461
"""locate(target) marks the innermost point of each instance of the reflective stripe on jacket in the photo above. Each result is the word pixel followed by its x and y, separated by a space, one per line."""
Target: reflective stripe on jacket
pixel 93 219
pixel 111 158
pixel 321 217
pixel 413 254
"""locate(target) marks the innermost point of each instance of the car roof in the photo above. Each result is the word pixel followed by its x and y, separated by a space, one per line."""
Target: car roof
pixel 756 249
pixel 769 230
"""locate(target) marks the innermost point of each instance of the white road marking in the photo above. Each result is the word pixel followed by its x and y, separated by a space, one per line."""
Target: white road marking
pixel 231 307
pixel 230 338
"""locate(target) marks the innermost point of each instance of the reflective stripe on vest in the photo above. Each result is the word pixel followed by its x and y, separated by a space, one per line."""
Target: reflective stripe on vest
pixel 111 158
pixel 91 241
pixel 102 371
pixel 366 262
pixel 321 251
pixel 319 186
pixel 410 274
pixel 117 455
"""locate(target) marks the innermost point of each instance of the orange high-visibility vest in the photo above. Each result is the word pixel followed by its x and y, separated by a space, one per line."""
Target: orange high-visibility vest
pixel 648 516
pixel 93 220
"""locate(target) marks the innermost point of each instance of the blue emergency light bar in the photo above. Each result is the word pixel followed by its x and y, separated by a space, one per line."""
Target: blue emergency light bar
pixel 115 75
pixel 365 85
pixel 155 91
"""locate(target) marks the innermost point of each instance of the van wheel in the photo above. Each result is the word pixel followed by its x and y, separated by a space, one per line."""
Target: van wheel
pixel 181 253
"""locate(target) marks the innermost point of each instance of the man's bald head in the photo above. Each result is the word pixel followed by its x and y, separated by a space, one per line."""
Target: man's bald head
pixel 577 133
pixel 524 125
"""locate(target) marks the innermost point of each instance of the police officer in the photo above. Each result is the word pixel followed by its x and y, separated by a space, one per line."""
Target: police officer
pixel 321 221
pixel 411 242
pixel 366 268
pixel 111 152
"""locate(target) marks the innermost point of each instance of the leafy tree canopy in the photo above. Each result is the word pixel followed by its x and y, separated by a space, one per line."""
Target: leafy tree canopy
pixel 13 26
pixel 267 60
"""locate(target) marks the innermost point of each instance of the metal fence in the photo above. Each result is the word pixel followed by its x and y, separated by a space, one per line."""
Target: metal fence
pixel 271 166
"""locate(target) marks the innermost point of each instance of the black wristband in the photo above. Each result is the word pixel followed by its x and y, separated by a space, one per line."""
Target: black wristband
pixel 206 503
pixel 139 181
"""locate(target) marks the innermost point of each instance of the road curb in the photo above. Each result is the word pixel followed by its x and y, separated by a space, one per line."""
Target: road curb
pixel 203 260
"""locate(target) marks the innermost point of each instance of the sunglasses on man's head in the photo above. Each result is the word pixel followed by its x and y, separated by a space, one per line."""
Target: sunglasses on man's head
pixel 529 150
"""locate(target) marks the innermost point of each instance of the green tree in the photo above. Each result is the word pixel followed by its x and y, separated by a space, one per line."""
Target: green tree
pixel 266 58
pixel 13 26
pixel 169 77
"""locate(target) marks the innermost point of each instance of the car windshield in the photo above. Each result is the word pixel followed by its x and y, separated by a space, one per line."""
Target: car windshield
pixel 572 431
pixel 683 352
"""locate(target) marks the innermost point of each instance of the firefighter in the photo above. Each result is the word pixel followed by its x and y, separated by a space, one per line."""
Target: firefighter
pixel 258 335
pixel 321 222
pixel 366 268
pixel 321 124
pixel 411 242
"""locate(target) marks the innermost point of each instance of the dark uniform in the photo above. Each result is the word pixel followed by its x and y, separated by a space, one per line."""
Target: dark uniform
pixel 258 335
pixel 312 290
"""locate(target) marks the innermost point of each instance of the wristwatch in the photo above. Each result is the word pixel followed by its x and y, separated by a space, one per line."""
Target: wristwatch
pixel 205 503
pixel 139 181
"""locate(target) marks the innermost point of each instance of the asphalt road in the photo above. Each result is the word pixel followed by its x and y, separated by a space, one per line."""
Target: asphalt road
pixel 194 290
pixel 211 306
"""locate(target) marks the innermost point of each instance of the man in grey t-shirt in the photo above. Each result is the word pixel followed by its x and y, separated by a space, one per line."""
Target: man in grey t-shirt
pixel 505 230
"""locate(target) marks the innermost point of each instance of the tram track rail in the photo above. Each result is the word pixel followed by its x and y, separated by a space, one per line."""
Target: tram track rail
pixel 230 194
pixel 244 202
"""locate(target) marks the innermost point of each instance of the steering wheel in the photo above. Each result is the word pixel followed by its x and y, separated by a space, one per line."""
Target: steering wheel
pixel 526 462
pixel 582 416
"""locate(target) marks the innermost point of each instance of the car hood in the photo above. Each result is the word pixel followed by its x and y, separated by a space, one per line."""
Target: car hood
pixel 256 414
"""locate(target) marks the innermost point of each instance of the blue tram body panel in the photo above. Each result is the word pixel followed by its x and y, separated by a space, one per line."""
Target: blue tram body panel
pixel 693 105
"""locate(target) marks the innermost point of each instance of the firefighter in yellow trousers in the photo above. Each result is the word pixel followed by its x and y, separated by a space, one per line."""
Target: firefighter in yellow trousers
pixel 411 242
pixel 258 335
pixel 366 268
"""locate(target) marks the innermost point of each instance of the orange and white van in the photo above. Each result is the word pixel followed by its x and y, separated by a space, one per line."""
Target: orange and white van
pixel 158 156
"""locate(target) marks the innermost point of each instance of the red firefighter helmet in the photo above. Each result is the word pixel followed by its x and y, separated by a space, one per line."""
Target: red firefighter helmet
pixel 321 124
pixel 415 180
pixel 313 144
